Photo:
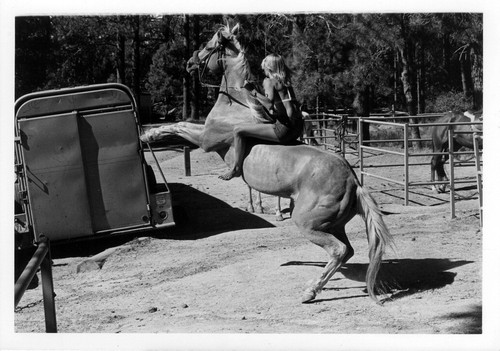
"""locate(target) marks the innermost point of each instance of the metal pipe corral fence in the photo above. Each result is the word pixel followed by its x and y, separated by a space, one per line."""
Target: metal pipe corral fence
pixel 332 132
pixel 406 154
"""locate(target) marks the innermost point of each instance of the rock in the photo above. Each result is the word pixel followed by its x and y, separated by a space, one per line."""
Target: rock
pixel 87 266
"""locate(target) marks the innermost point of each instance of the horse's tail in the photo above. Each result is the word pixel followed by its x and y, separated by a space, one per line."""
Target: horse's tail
pixel 378 236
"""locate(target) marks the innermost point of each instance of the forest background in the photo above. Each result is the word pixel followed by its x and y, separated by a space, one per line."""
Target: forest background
pixel 361 63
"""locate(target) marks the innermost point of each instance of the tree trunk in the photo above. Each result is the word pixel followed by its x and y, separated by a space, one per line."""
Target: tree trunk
pixel 446 57
pixel 143 118
pixel 465 74
pixel 361 106
pixel 421 83
pixel 195 112
pixel 120 58
pixel 137 57
pixel 395 83
pixel 186 77
pixel 298 38
pixel 477 78
pixel 408 80
pixel 407 51
pixel 446 49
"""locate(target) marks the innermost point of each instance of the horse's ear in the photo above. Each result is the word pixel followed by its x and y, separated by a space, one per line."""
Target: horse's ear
pixel 235 29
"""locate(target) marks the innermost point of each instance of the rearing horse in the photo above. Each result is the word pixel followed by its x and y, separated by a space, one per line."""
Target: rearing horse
pixel 461 139
pixel 326 191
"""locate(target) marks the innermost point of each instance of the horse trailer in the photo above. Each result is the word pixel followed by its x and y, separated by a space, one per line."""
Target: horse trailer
pixel 80 166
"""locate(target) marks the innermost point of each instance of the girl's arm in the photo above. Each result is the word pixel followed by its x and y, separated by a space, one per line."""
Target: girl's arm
pixel 267 99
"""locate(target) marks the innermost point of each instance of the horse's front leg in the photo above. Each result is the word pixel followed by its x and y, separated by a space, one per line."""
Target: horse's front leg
pixel 190 131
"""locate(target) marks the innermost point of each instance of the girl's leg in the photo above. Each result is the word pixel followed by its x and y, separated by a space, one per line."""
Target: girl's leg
pixel 260 131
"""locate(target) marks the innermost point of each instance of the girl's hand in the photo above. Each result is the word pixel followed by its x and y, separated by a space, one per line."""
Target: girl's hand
pixel 248 86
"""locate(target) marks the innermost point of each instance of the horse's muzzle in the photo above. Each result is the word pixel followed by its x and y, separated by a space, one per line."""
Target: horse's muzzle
pixel 194 62
pixel 191 66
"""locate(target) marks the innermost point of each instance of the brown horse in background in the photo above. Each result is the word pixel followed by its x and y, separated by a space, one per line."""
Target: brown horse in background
pixel 440 143
pixel 325 190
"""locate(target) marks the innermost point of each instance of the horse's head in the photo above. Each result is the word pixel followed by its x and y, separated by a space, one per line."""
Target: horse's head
pixel 224 43
pixel 475 116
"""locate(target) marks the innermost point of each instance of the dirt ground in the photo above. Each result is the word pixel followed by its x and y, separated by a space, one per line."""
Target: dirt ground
pixel 224 270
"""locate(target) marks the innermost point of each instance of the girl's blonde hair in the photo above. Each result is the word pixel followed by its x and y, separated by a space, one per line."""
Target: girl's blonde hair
pixel 277 68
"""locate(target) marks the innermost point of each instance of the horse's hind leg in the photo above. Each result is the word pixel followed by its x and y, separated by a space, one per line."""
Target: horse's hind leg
pixel 279 213
pixel 258 204
pixel 250 207
pixel 437 166
pixel 339 251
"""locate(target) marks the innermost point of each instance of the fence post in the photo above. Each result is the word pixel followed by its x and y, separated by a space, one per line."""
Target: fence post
pixel 360 150
pixel 479 175
pixel 342 139
pixel 406 167
pixel 343 128
pixel 187 161
pixel 452 172
pixel 323 131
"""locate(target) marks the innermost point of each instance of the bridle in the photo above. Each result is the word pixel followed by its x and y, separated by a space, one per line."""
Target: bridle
pixel 218 49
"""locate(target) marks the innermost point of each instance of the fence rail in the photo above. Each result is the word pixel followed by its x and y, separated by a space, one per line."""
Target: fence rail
pixel 346 131
pixel 406 154
pixel 336 131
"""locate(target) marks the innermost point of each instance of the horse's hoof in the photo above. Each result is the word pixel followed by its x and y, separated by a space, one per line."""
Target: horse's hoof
pixel 260 210
pixel 149 136
pixel 145 138
pixel 438 189
pixel 279 218
pixel 308 296
pixel 441 190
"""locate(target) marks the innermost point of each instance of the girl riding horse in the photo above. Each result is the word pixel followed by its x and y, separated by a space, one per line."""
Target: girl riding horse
pixel 284 109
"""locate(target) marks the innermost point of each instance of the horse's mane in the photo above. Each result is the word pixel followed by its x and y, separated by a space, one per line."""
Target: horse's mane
pixel 241 67
pixel 259 113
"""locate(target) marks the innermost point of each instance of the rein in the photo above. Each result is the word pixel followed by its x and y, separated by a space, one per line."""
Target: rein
pixel 221 62
pixel 201 73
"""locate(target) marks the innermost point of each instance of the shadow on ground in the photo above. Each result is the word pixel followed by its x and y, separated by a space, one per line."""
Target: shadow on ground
pixel 199 215
pixel 402 277
pixel 196 214
pixel 471 320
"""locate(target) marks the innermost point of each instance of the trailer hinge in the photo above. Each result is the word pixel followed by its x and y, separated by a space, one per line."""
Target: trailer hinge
pixel 18 168
pixel 23 194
